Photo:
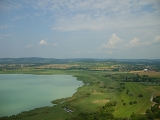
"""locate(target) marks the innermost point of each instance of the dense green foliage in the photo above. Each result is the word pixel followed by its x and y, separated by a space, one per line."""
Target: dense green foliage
pixel 150 114
pixel 157 99
pixel 103 113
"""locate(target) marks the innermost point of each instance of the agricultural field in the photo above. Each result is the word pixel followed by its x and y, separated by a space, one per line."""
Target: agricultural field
pixel 102 84
pixel 149 73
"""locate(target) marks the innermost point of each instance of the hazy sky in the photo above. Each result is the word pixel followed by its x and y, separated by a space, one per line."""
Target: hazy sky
pixel 80 28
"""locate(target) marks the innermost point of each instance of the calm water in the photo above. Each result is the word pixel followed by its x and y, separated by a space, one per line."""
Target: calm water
pixel 22 92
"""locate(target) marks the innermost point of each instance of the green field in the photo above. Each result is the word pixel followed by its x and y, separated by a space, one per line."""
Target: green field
pixel 143 103
pixel 99 88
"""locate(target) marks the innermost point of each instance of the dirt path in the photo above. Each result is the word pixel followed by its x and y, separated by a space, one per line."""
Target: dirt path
pixel 151 99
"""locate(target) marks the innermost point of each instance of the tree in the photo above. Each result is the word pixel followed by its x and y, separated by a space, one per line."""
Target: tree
pixel 150 114
pixel 140 95
pixel 157 99
pixel 133 115
pixel 115 69
pixel 130 102
pixel 135 102
pixel 124 104
pixel 126 79
pixel 127 91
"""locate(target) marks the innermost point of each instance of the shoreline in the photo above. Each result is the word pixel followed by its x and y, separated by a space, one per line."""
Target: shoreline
pixel 100 90
pixel 45 106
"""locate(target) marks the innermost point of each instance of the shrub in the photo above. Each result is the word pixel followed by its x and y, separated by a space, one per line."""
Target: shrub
pixel 127 91
pixel 135 102
pixel 130 102
pixel 124 104
pixel 140 95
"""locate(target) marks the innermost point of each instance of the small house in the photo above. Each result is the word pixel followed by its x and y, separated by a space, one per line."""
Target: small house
pixel 145 70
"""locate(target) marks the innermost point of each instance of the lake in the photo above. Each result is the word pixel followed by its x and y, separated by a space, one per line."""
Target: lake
pixel 23 92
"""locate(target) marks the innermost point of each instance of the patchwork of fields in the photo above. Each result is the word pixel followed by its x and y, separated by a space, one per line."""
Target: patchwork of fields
pixel 101 85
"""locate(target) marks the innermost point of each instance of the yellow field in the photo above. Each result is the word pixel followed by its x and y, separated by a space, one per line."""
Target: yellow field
pixel 60 66
pixel 151 74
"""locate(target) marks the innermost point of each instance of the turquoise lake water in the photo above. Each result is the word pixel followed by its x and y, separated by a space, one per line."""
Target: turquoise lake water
pixel 22 92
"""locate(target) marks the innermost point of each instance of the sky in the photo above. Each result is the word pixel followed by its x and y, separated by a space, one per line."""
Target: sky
pixel 118 29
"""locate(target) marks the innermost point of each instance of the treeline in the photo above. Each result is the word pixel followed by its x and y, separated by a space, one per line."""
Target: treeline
pixel 143 78
pixel 134 78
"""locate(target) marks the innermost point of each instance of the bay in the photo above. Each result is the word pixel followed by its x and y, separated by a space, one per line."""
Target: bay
pixel 23 92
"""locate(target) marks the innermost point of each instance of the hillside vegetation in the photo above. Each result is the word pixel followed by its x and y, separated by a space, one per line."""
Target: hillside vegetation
pixel 111 90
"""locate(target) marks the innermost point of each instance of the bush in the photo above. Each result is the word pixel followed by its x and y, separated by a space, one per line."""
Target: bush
pixel 134 102
pixel 127 91
pixel 140 95
pixel 124 104
pixel 130 102
pixel 115 69
pixel 157 99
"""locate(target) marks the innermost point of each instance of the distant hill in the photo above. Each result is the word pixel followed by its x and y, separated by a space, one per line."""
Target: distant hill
pixel 31 60
pixel 38 60
pixel 139 61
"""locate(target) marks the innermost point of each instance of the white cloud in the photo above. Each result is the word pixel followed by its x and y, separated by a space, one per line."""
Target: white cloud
pixel 136 43
pixel 54 44
pixel 101 15
pixel 3 26
pixel 18 17
pixel 80 22
pixel 5 35
pixel 157 39
pixel 94 19
pixel 70 15
pixel 108 51
pixel 43 42
pixel 10 5
pixel 133 43
pixel 113 42
pixel 116 44
pixel 78 52
pixel 28 46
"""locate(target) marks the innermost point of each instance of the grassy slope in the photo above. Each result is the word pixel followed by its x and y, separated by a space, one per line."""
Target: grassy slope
pixel 90 98
pixel 81 102
pixel 143 103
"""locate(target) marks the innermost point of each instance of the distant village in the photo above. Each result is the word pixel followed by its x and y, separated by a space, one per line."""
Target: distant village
pixel 127 68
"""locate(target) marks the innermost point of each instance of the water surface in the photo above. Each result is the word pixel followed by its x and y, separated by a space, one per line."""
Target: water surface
pixel 22 92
